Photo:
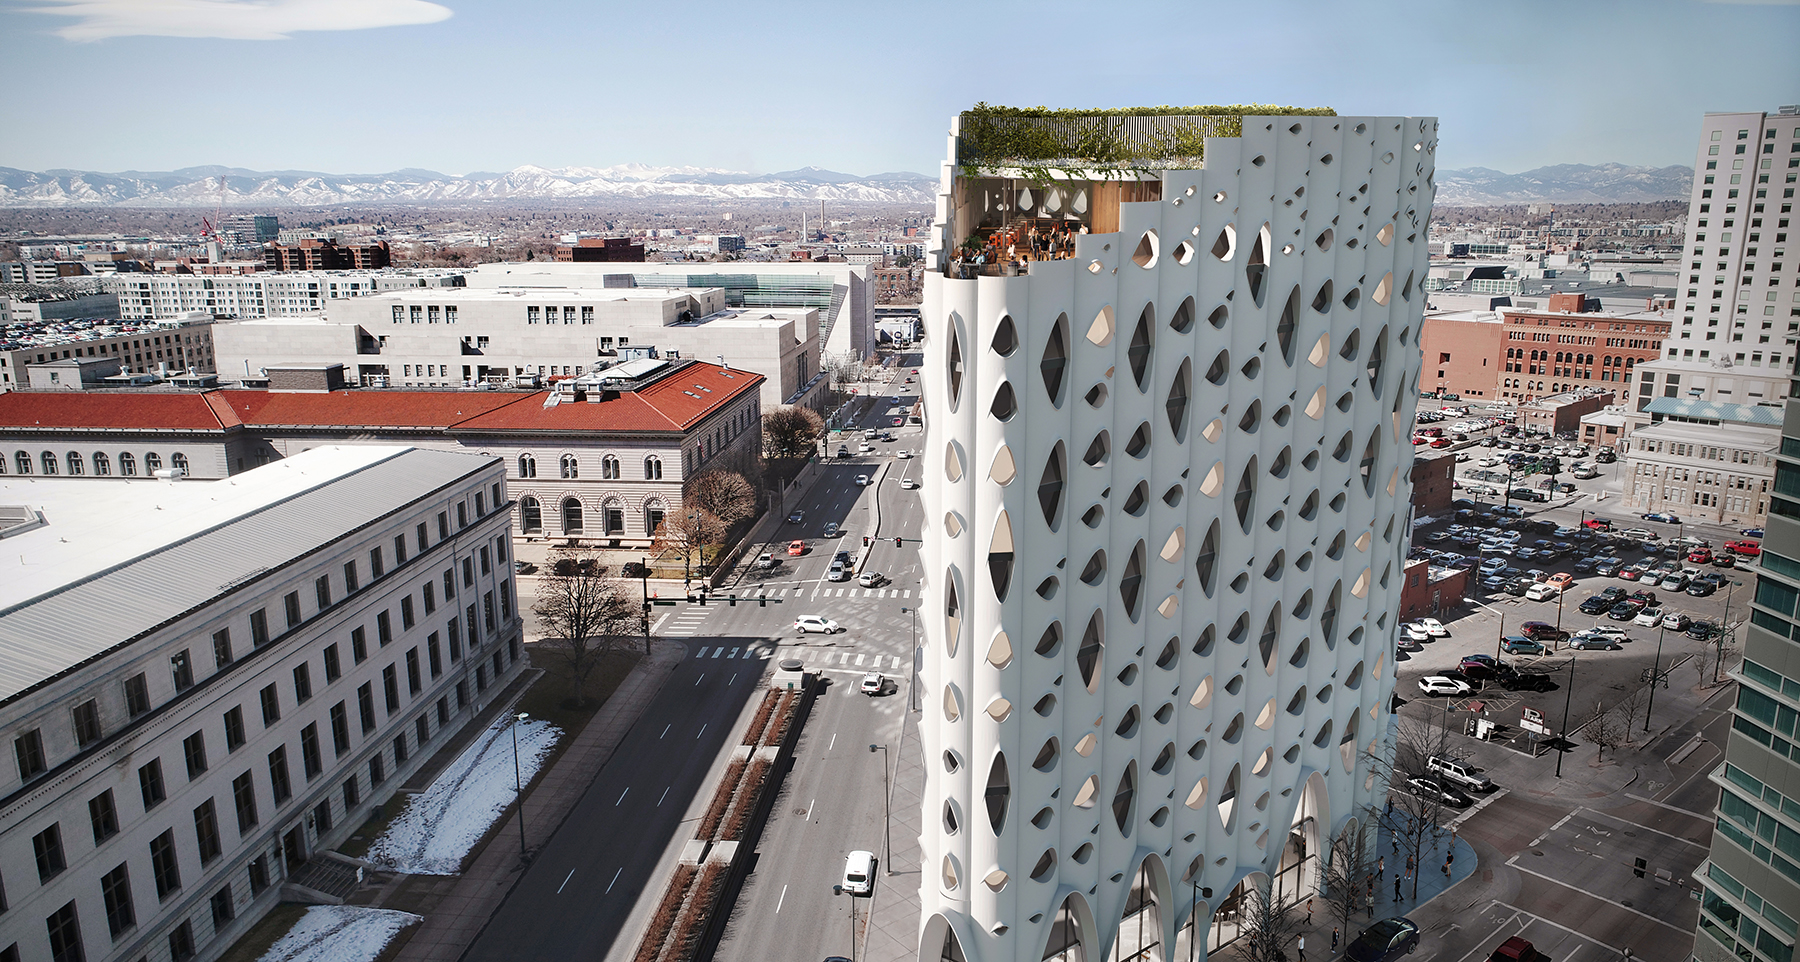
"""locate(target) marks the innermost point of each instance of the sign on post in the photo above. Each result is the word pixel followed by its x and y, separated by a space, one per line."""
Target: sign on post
pixel 1532 720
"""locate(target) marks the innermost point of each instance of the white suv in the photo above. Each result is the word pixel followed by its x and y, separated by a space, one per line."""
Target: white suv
pixel 819 623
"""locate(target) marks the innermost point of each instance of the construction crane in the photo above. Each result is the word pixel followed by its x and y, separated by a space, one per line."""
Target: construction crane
pixel 210 228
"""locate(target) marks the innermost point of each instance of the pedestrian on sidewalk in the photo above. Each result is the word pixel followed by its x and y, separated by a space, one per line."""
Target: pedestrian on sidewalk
pixel 1300 947
pixel 1396 889
pixel 1447 862
pixel 1381 868
pixel 1334 939
pixel 1309 910
pixel 1371 905
pixel 1410 865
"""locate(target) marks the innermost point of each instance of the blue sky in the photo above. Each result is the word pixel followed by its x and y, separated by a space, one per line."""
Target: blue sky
pixel 365 86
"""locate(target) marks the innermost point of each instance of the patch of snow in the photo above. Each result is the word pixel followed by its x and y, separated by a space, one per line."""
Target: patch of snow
pixel 441 824
pixel 339 933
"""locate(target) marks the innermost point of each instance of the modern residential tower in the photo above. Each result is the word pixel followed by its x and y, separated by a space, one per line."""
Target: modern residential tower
pixel 1171 363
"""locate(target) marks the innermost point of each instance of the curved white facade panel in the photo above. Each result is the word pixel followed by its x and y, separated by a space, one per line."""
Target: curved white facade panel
pixel 1163 573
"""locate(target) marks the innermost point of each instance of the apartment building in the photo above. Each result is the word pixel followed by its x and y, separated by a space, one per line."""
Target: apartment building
pixel 325 255
pixel 1572 348
pixel 1740 296
pixel 1169 509
pixel 147 296
pixel 1749 885
pixel 207 683
pixel 175 344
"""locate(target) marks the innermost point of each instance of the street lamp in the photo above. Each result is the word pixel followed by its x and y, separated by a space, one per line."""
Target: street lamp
pixel 519 782
pixel 687 551
pixel 840 890
pixel 887 816
pixel 913 653
pixel 1567 700
pixel 1655 673
pixel 1724 630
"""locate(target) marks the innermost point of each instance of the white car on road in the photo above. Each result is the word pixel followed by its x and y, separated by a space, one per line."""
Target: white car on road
pixel 1441 685
pixel 806 624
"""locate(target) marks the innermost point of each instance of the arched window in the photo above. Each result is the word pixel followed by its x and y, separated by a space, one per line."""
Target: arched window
pixel 527 466
pixel 179 462
pixel 571 516
pixel 531 516
pixel 102 466
pixel 23 460
pixel 127 464
pixel 609 468
pixel 49 459
pixel 152 462
pixel 569 467
pixel 653 468
pixel 73 459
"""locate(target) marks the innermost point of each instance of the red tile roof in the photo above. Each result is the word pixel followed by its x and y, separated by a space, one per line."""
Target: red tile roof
pixel 376 409
pixel 76 409
pixel 675 403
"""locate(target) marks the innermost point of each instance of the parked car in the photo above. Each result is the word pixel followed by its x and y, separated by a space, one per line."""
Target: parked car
pixel 1585 641
pixel 1436 792
pixel 1441 685
pixel 1459 773
pixel 1676 621
pixel 767 560
pixel 796 548
pixel 1527 681
pixel 1413 633
pixel 1751 532
pixel 1641 534
pixel 1520 645
pixel 1516 949
pixel 1542 631
pixel 1433 627
pixel 859 872
pixel 1700 556
pixel 1751 548
pixel 1674 582
pixel 1613 633
pixel 909 483
pixel 1662 516
pixel 1702 630
pixel 1560 580
pixel 1702 588
pixel 1383 941
pixel 1541 592
pixel 806 624
pixel 1649 617
pixel 1483 667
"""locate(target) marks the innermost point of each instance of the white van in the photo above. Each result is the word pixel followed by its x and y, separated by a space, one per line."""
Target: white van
pixel 859 872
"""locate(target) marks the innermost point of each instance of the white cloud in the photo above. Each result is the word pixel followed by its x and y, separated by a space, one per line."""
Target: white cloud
pixel 233 19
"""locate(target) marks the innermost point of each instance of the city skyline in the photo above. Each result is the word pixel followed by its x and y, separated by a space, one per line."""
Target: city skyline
pixel 1512 96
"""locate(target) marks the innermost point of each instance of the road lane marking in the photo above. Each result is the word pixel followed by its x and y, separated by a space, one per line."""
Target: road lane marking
pixel 731 679
pixel 859 659
pixel 565 884
pixel 829 748
pixel 733 654
pixel 615 881
pixel 781 900
pixel 700 679
pixel 622 795
pixel 702 731
pixel 666 730
pixel 1514 863
pixel 809 808
pixel 664 795
pixel 1647 828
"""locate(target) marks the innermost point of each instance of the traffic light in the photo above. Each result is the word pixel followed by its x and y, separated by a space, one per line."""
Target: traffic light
pixel 865 541
pixel 898 542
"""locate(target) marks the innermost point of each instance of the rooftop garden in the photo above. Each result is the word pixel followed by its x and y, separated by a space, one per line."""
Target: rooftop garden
pixel 1041 142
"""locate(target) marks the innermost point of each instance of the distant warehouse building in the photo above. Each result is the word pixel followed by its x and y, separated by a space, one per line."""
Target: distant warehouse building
pixel 208 685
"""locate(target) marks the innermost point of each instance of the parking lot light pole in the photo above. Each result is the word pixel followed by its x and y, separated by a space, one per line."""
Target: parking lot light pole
pixel 1724 630
pixel 1557 638
pixel 1655 673
pixel 518 782
pixel 1568 699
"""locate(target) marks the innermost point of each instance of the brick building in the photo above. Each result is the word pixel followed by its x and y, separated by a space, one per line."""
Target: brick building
pixel 1550 352
pixel 1433 473
pixel 1428 591
pixel 1462 353
pixel 325 255
pixel 594 250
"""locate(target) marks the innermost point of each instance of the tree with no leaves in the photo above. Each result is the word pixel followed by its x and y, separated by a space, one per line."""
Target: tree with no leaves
pixel 723 494
pixel 1352 862
pixel 790 430
pixel 1603 730
pixel 586 610
pixel 1630 705
pixel 1411 821
pixel 1265 924
pixel 689 531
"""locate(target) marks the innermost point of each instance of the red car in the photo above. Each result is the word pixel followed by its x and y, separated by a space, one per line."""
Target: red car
pixel 1419 440
pixel 1700 556
pixel 1441 443
pixel 1597 524
pixel 1751 548
pixel 796 547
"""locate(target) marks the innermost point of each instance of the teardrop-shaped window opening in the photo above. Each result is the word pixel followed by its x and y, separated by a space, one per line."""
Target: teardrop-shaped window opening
pixel 1085 745
pixel 1089 656
pixel 1047 755
pixel 1085 797
pixel 1100 333
pixel 1352 344
pixel 1321 350
pixel 1045 705
pixel 1361 588
pixel 1203 693
pixel 1272 572
pixel 1046 864
pixel 1204 642
pixel 955 363
pixel 1284 327
pixel 1336 549
pixel 1321 302
pixel 1347 745
pixel 1177 404
pixel 1279 467
pixel 1342 451
pixel 1214 430
pixel 999 709
pixel 1139 442
pixel 1145 254
pixel 998 793
pixel 1165 759
pixel 1171 651
pixel 1184 253
pixel 1352 297
pixel 1098 450
pixel 1298 658
pixel 1204 562
pixel 1056 358
pixel 1345 400
pixel 1245 498
pixel 1183 321
pixel 1377 361
pixel 1252 418
pixel 1255 269
pixel 1383 290
pixel 1235 730
pixel 1137 355
pixel 1000 556
pixel 1003 470
pixel 1135 501
pixel 1131 582
pixel 1310 507
pixel 1172 548
pixel 952 824
pixel 1323 738
pixel 1095 570
pixel 1263 760
pixel 1128 724
pixel 1005 405
pixel 1050 641
pixel 1225 245
pixel 1124 803
pixel 953 467
pixel 1006 336
pixel 1093 516
pixel 1172 497
pixel 952 524
pixel 1297 704
pixel 1219 316
pixel 952 703
pixel 1227 806
pixel 1095 396
pixel 1050 487
pixel 1406 292
pixel 1252 368
pixel 1386 234
pixel 1323 241
pixel 1196 797
pixel 1270 642
pixel 1220 368
pixel 1367 466
pixel 952 614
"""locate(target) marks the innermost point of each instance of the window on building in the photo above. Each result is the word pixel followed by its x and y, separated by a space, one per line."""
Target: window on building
pixel 243 797
pixel 365 706
pixel 279 786
pixel 48 847
pixel 311 760
pixel 150 784
pixel 64 929
pixel 193 750
pixel 164 865
pixel 115 892
pixel 86 717
pixel 340 729
pixel 104 815
pixel 234 729
pixel 334 668
pixel 206 832
pixel 181 671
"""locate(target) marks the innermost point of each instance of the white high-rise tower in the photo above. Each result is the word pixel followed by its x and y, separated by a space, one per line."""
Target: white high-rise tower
pixel 1171 368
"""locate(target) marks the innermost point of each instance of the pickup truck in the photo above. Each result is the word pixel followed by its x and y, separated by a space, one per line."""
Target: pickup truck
pixel 1516 949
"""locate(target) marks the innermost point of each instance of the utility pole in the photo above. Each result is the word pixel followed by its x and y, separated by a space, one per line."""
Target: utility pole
pixel 518 782
pixel 644 578
pixel 887 815
pixel 1567 699
pixel 1655 672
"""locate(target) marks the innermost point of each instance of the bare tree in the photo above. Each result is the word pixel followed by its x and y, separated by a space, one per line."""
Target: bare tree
pixel 1352 862
pixel 791 430
pixel 724 494
pixel 587 609
pixel 688 533
pixel 1603 730
pixel 1412 819
pixel 1630 705
pixel 1266 926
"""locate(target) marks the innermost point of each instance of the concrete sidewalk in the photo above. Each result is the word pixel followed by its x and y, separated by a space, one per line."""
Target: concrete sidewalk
pixel 457 908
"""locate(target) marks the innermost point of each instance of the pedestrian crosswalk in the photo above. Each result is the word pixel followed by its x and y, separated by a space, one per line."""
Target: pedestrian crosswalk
pixel 813 657
pixel 827 591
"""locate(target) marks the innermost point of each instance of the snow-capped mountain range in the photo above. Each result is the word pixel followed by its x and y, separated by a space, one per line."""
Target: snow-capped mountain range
pixel 199 186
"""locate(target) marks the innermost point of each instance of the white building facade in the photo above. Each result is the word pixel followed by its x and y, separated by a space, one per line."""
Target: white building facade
pixel 262 294
pixel 198 703
pixel 1166 519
